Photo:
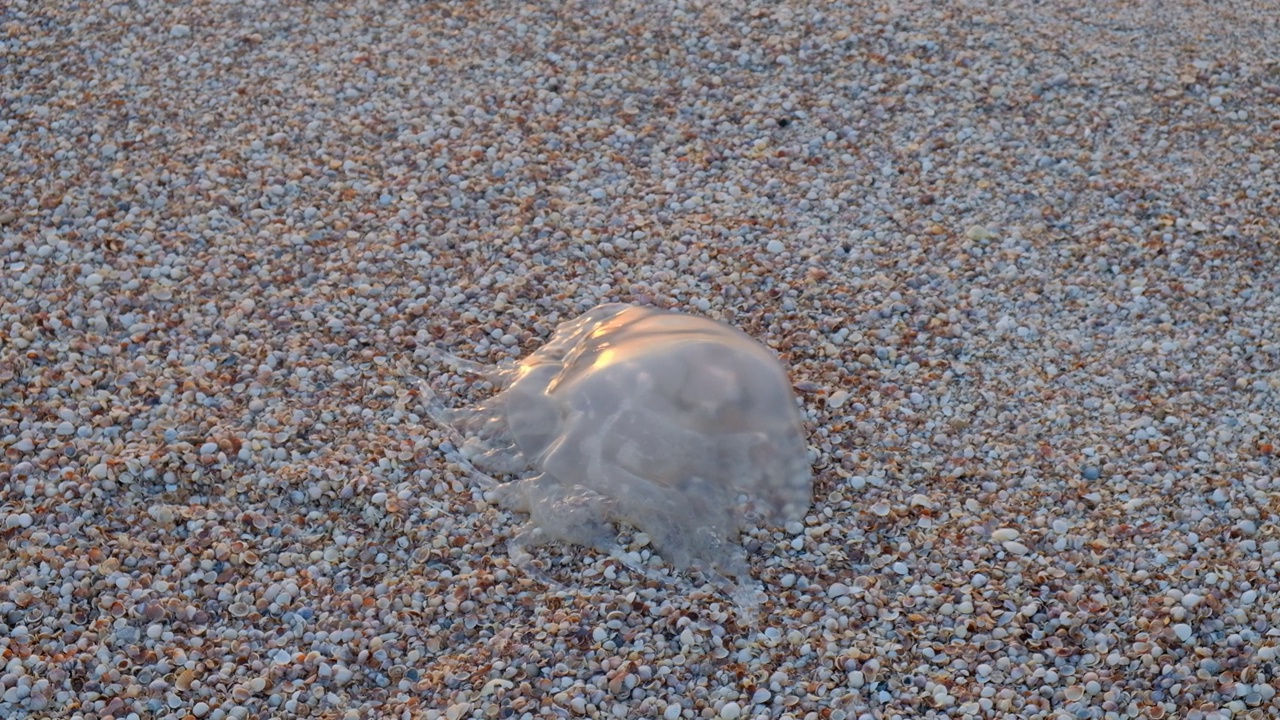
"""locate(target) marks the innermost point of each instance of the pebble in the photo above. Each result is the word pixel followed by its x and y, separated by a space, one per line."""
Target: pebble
pixel 1022 265
pixel 977 232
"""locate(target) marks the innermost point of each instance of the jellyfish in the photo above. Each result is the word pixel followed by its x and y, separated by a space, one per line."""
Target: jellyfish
pixel 679 426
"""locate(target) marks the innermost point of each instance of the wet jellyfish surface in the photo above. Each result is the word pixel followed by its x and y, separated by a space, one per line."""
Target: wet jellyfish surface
pixel 680 426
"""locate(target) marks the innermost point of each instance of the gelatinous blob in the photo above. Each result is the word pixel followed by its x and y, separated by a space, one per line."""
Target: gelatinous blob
pixel 680 426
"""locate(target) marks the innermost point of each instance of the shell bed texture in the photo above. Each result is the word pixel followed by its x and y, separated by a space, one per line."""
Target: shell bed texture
pixel 679 425
pixel 1019 258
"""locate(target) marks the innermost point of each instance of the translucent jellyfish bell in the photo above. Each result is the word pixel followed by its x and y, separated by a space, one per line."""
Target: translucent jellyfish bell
pixel 677 425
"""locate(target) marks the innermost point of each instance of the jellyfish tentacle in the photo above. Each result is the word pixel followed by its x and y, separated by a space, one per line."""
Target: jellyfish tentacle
pixel 482 479
pixel 625 558
pixel 747 593
pixel 496 374
pixel 438 411
pixel 518 552
pixel 571 513
pixel 502 458
pixel 446 419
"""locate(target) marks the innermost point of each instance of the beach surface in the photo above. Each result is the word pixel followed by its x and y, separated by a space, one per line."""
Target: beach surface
pixel 1020 260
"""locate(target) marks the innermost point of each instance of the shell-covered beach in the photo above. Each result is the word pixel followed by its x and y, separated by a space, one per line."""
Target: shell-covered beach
pixel 1019 260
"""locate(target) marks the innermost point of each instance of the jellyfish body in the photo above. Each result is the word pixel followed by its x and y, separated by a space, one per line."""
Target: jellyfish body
pixel 680 426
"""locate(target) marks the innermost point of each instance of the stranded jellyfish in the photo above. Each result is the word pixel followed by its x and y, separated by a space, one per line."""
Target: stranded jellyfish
pixel 680 426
